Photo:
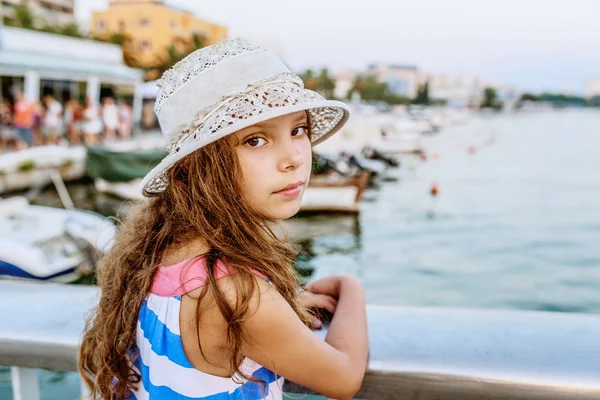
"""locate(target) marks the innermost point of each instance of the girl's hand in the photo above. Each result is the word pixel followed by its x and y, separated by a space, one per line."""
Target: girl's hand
pixel 329 285
pixel 311 300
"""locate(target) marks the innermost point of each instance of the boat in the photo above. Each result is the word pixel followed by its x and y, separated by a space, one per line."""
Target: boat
pixel 50 244
pixel 119 174
pixel 117 168
pixel 334 192
pixel 393 142
pixel 25 168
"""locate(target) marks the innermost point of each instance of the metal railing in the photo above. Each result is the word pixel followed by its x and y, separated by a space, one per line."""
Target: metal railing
pixel 415 353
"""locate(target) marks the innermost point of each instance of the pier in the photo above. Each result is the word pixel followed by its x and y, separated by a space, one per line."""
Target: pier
pixel 415 352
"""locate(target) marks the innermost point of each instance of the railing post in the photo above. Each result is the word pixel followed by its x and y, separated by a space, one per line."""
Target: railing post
pixel 25 383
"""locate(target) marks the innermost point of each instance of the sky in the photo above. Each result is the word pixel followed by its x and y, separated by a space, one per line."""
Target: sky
pixel 538 45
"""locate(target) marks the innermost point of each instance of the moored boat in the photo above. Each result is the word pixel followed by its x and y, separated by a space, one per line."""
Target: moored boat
pixel 50 244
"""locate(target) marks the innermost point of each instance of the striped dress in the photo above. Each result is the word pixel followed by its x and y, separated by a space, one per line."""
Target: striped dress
pixel 166 372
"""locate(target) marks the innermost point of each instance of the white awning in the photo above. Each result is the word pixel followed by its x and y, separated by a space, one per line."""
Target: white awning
pixel 13 63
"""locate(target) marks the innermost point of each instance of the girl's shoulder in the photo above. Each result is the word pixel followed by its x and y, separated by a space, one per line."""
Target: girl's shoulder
pixel 188 275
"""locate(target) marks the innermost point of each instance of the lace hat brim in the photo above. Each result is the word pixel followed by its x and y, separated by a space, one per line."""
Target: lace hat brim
pixel 325 118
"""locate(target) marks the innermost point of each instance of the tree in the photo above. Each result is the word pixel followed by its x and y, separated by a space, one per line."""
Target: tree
pixel 422 94
pixel 23 17
pixel 490 98
pixel 325 85
pixel 528 97
pixel 175 52
pixel 117 38
pixel 321 83
pixel 308 77
pixel 370 88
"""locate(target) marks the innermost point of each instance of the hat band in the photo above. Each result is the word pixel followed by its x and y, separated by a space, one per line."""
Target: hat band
pixel 203 115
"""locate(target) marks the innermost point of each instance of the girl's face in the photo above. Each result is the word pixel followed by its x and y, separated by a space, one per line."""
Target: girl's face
pixel 275 157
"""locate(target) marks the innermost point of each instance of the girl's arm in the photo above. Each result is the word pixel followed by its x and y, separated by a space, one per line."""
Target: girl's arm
pixel 282 343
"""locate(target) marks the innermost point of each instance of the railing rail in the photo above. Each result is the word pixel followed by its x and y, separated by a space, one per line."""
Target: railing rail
pixel 415 353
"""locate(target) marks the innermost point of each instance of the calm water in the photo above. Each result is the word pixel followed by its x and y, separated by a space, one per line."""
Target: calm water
pixel 516 224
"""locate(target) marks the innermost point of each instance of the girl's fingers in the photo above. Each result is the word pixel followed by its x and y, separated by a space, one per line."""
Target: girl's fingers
pixel 317 324
pixel 315 300
pixel 328 303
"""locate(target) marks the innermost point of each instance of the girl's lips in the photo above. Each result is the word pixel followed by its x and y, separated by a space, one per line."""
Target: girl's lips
pixel 291 190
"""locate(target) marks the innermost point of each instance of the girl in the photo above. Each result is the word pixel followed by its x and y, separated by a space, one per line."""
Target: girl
pixel 199 298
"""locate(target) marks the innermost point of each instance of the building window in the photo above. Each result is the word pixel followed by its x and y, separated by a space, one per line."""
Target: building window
pixel 145 45
pixel 144 22
pixel 121 26
pixel 101 25
pixel 174 25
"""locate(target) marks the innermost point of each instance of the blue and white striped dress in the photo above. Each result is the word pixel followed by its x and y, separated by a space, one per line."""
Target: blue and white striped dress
pixel 166 372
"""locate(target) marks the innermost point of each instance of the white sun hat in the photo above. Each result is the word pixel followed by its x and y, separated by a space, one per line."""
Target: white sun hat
pixel 220 89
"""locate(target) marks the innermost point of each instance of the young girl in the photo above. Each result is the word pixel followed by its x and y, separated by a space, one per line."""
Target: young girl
pixel 199 298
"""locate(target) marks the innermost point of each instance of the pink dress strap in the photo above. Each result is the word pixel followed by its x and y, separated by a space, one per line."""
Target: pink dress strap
pixel 187 275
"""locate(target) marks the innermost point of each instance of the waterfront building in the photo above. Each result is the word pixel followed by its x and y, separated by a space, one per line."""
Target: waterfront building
pixel 402 80
pixel 67 67
pixel 152 26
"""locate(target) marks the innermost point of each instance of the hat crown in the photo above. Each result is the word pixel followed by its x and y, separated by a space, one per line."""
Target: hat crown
pixel 196 64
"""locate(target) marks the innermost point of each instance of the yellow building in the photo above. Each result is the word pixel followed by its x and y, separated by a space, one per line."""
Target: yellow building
pixel 150 27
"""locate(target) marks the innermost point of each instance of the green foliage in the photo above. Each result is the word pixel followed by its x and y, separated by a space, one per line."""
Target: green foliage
pixel 71 29
pixel 562 98
pixel 198 41
pixel 26 165
pixel 48 29
pixel 490 99
pixel 117 38
pixel 23 17
pixel 178 50
pixel 321 83
pixel 371 89
pixel 422 94
pixel 529 97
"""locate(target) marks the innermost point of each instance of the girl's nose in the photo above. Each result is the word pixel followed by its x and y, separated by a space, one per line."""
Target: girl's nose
pixel 291 155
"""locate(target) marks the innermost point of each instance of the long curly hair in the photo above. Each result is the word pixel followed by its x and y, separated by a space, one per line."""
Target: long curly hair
pixel 200 202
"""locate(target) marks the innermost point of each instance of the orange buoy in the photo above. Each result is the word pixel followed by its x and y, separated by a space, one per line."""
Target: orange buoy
pixel 434 190
pixel 472 150
pixel 435 155
pixel 423 156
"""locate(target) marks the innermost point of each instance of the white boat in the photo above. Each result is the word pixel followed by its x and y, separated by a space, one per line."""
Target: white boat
pixel 331 199
pixel 123 190
pixel 344 199
pixel 404 143
pixel 333 192
pixel 50 244
pixel 24 168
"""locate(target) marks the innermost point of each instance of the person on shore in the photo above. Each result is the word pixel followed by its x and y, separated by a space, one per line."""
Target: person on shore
pixel 91 125
pixel 125 119
pixel 199 296
pixel 52 124
pixel 110 118
pixel 72 121
pixel 38 117
pixel 24 120
pixel 7 130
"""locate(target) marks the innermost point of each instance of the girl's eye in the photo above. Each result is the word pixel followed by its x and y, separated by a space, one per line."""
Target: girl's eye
pixel 301 130
pixel 256 142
